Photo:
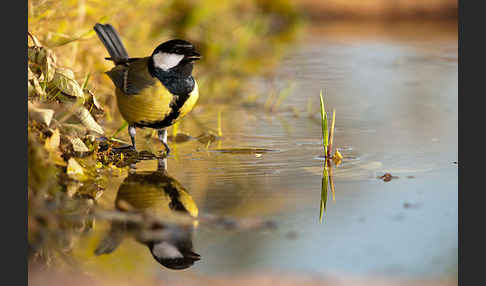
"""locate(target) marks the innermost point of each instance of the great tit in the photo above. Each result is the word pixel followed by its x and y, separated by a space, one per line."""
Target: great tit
pixel 154 91
pixel 159 195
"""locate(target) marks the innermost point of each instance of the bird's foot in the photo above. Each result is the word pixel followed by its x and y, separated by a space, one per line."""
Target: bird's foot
pixel 125 149
pixel 167 149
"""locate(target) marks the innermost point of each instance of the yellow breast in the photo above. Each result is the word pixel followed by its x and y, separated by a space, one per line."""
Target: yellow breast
pixel 190 102
pixel 154 193
pixel 153 104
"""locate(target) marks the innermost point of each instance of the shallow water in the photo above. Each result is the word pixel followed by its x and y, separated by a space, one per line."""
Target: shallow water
pixel 396 100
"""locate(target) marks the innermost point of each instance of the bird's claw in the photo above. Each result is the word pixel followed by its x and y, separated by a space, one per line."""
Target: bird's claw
pixel 124 149
pixel 167 149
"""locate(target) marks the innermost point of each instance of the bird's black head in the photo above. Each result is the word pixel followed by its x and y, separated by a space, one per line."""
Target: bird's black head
pixel 172 63
pixel 173 256
pixel 174 56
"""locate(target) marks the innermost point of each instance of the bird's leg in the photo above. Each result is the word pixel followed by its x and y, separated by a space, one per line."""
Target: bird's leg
pixel 162 165
pixel 132 132
pixel 129 148
pixel 163 138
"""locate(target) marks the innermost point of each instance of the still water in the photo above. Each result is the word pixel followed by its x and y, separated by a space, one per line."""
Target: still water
pixel 395 95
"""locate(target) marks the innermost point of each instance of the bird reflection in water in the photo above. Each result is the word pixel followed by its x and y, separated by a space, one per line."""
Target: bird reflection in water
pixel 158 195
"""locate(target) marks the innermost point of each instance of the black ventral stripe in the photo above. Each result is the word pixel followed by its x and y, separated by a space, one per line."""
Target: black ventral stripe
pixel 175 110
pixel 169 187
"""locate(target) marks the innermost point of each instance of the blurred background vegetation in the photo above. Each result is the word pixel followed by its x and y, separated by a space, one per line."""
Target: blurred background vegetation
pixel 236 38
pixel 379 9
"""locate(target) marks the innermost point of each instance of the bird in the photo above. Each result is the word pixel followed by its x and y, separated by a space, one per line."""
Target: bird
pixel 154 91
pixel 158 195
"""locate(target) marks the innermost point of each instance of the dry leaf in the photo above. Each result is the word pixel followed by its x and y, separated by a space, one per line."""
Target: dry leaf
pixel 30 74
pixel 39 114
pixel 73 130
pixel 34 87
pixel 52 143
pixel 45 59
pixel 91 101
pixel 78 145
pixel 30 90
pixel 65 82
pixel 55 156
pixel 75 171
pixel 72 188
pixel 87 119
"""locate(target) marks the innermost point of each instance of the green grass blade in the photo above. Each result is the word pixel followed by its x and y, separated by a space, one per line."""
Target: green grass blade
pixel 282 95
pixel 331 133
pixel 220 131
pixel 324 184
pixel 125 124
pixel 325 131
pixel 85 82
pixel 331 180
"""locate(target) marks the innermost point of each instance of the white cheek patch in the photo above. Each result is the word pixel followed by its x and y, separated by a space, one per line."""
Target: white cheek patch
pixel 166 250
pixel 166 61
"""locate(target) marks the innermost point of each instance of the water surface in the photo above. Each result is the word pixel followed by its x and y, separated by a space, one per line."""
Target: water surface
pixel 395 94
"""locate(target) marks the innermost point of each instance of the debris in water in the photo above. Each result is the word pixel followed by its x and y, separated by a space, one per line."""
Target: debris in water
pixel 337 158
pixel 180 138
pixel 387 177
pixel 409 205
pixel 244 150
pixel 292 235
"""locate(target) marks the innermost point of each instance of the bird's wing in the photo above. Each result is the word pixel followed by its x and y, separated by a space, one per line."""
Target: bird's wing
pixel 132 77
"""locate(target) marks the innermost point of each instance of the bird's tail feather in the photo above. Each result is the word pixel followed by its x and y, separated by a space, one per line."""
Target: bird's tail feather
pixel 111 40
pixel 111 240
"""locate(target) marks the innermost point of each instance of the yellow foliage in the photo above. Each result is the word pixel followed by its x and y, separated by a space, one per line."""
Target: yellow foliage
pixel 236 38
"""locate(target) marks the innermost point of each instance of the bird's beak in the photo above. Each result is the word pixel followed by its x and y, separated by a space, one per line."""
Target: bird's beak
pixel 193 56
pixel 192 255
